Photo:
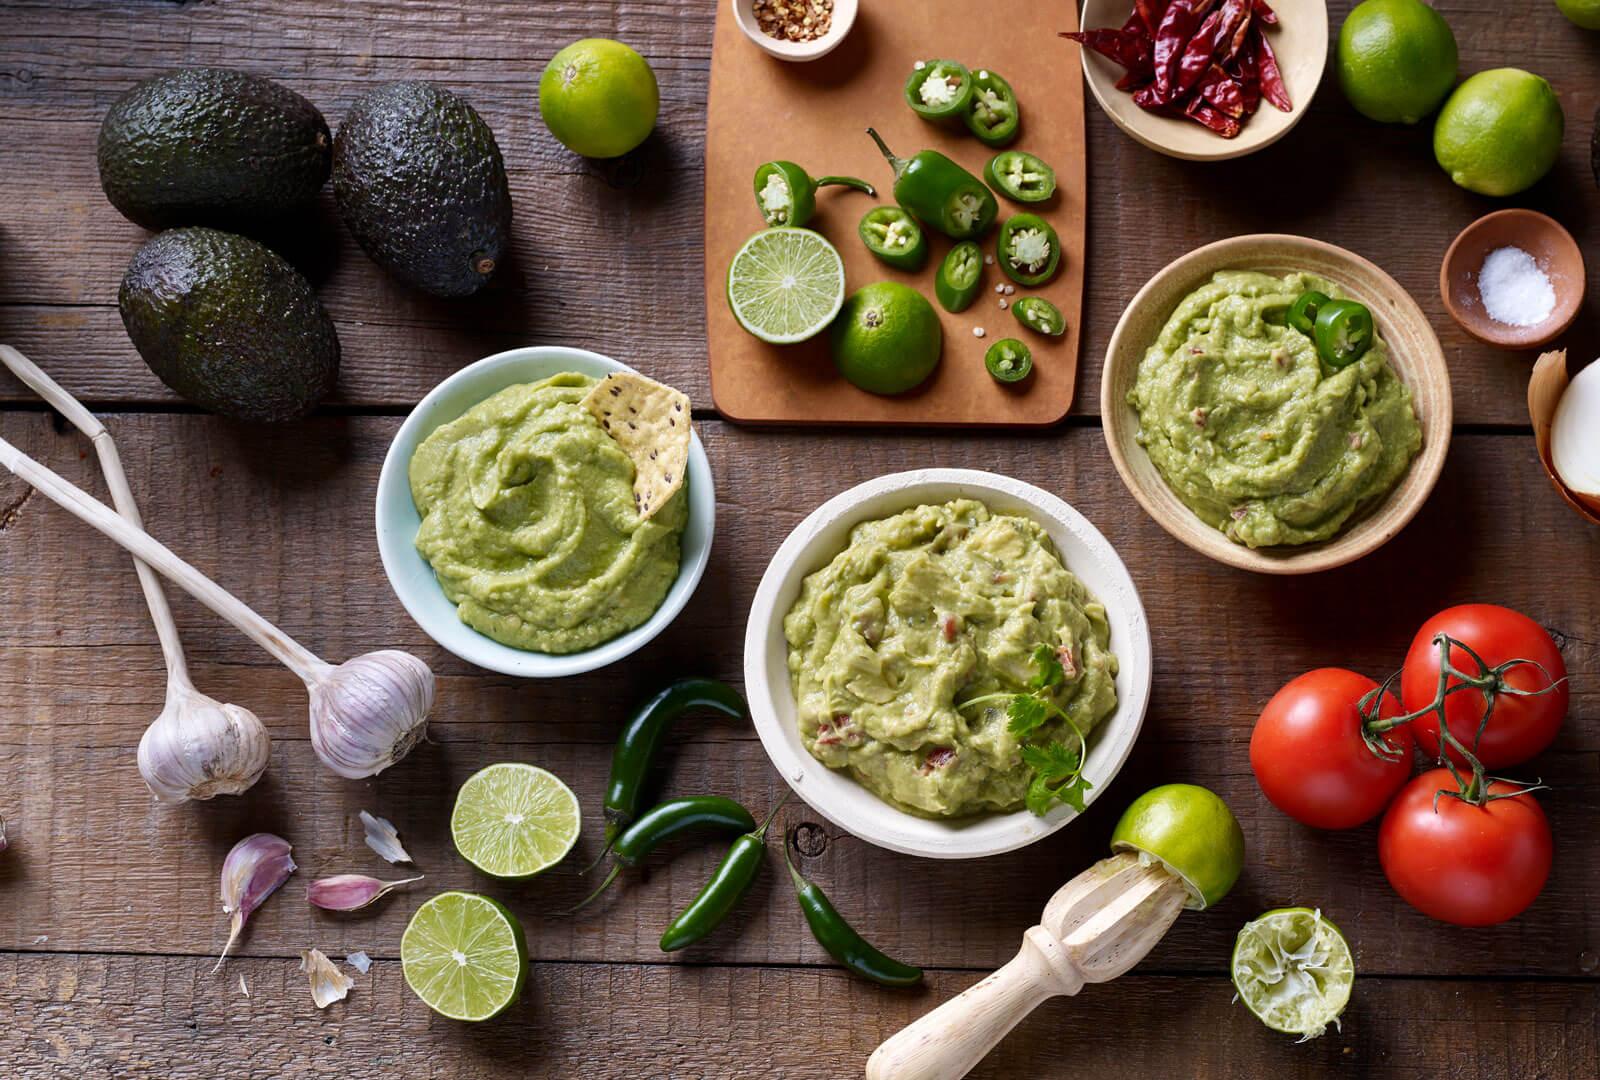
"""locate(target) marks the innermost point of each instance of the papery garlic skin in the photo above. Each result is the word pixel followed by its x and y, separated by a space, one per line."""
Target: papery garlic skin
pixel 351 892
pixel 328 983
pixel 3 844
pixel 253 870
pixel 367 713
pixel 199 748
pixel 384 840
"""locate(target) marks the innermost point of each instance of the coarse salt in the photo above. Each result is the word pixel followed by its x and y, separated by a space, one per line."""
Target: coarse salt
pixel 977 331
pixel 1515 291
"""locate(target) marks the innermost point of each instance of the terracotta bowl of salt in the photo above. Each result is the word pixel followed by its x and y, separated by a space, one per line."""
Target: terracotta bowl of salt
pixel 1513 279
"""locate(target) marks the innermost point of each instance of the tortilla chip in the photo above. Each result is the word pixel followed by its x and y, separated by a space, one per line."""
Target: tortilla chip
pixel 651 423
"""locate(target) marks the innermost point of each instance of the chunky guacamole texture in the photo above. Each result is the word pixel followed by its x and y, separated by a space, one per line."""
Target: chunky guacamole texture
pixel 529 521
pixel 1253 431
pixel 920 612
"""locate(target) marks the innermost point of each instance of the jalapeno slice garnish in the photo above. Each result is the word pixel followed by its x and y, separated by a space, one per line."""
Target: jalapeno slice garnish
pixel 895 237
pixel 956 284
pixel 1028 250
pixel 1344 332
pixel 939 89
pixel 1040 316
pixel 1303 312
pixel 1008 360
pixel 787 195
pixel 1020 177
pixel 941 194
pixel 993 115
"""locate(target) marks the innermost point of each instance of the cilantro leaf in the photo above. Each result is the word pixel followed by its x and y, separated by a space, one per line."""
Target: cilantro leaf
pixel 1057 777
pixel 1049 665
pixel 1025 714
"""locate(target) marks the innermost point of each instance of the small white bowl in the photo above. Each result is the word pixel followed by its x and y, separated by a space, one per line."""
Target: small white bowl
pixel 834 794
pixel 411 576
pixel 844 17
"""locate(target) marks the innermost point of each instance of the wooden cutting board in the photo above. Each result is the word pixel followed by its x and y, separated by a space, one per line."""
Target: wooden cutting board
pixel 816 114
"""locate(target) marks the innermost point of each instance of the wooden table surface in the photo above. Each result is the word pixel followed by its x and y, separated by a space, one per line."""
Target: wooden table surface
pixel 109 914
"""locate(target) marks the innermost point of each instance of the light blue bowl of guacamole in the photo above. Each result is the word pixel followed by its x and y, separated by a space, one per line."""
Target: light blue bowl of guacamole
pixel 415 580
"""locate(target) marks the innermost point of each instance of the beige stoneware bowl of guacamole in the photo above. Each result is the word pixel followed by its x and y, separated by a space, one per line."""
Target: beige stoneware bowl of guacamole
pixel 1085 554
pixel 1372 477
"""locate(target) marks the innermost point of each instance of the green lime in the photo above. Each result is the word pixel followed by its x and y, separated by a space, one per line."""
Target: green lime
pixel 1500 132
pixel 1191 832
pixel 513 820
pixel 785 285
pixel 1293 969
pixel 599 97
pixel 465 956
pixel 1586 13
pixel 1397 60
pixel 887 338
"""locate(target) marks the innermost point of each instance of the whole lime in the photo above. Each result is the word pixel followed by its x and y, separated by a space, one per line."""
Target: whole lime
pixel 887 338
pixel 1191 832
pixel 1500 132
pixel 1586 13
pixel 599 97
pixel 1397 60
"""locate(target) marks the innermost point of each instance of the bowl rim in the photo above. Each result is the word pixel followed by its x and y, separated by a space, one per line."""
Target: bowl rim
pixel 401 559
pixel 824 789
pixel 1345 547
pixel 844 17
pixel 1517 337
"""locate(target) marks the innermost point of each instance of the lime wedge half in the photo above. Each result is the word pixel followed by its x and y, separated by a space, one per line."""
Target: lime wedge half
pixel 465 956
pixel 786 285
pixel 513 820
pixel 1293 969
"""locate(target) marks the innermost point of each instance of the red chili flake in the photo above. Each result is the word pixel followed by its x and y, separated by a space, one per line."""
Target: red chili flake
pixel 951 625
pixel 1069 663
pixel 826 735
pixel 1272 87
pixel 1239 512
pixel 842 719
pixel 937 758
pixel 1001 577
pixel 1199 417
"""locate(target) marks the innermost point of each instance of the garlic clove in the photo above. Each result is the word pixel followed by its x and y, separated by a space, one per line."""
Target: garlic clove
pixel 328 983
pixel 367 713
pixel 382 838
pixel 199 748
pixel 351 892
pixel 253 870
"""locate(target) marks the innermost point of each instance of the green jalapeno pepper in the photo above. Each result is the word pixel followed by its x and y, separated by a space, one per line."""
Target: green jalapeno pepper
pixel 1028 250
pixel 941 194
pixel 1344 332
pixel 956 284
pixel 665 821
pixel 1303 312
pixel 1020 177
pixel 894 236
pixel 992 115
pixel 787 195
pixel 728 885
pixel 939 89
pixel 1008 360
pixel 841 940
pixel 1040 316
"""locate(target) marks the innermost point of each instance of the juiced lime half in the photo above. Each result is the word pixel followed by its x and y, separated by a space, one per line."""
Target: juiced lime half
pixel 786 285
pixel 1293 969
pixel 465 956
pixel 513 820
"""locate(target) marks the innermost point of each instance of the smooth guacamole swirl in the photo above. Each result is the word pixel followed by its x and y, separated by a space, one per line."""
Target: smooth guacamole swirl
pixel 1253 431
pixel 921 611
pixel 529 521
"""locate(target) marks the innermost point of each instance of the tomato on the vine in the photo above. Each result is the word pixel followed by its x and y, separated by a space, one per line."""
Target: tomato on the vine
pixel 1311 760
pixel 1519 727
pixel 1463 863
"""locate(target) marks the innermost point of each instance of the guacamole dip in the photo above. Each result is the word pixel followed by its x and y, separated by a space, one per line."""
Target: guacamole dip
pixel 1253 431
pixel 922 611
pixel 530 521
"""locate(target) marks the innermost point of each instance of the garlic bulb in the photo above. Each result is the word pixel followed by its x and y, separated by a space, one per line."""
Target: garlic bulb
pixel 367 713
pixel 198 747
pixel 253 870
pixel 1575 435
pixel 351 892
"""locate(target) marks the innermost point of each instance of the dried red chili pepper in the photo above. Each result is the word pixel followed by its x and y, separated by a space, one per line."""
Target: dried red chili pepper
pixel 1221 90
pixel 1197 54
pixel 1249 77
pixel 1178 25
pixel 1226 126
pixel 1261 11
pixel 1272 87
pixel 1118 47
pixel 1149 13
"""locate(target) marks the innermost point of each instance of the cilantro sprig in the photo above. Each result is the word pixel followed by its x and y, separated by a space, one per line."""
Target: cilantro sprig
pixel 1057 767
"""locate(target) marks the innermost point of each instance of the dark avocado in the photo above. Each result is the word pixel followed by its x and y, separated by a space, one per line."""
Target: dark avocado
pixel 210 146
pixel 229 325
pixel 420 182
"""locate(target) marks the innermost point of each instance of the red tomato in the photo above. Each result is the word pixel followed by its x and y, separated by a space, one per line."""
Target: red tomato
pixel 1310 759
pixel 1463 864
pixel 1520 726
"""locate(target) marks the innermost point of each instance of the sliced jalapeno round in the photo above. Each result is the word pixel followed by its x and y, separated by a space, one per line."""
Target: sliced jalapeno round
pixel 956 285
pixel 1040 316
pixel 1008 360
pixel 939 89
pixel 1303 312
pixel 894 236
pixel 1028 249
pixel 1344 332
pixel 992 115
pixel 1020 177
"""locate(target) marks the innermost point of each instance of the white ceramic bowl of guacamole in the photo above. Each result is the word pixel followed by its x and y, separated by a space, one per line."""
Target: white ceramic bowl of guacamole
pixel 834 793
pixel 413 579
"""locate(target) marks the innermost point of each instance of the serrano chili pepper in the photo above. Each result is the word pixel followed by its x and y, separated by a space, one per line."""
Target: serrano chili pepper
pixel 787 195
pixel 722 893
pixel 841 940
pixel 939 89
pixel 665 821
pixel 994 114
pixel 956 285
pixel 941 194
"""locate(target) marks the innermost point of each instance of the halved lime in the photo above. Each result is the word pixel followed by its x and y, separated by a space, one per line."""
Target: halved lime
pixel 786 285
pixel 1190 831
pixel 1293 969
pixel 465 956
pixel 513 820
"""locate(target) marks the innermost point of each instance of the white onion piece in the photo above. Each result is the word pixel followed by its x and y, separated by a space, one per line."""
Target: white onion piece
pixel 1575 433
